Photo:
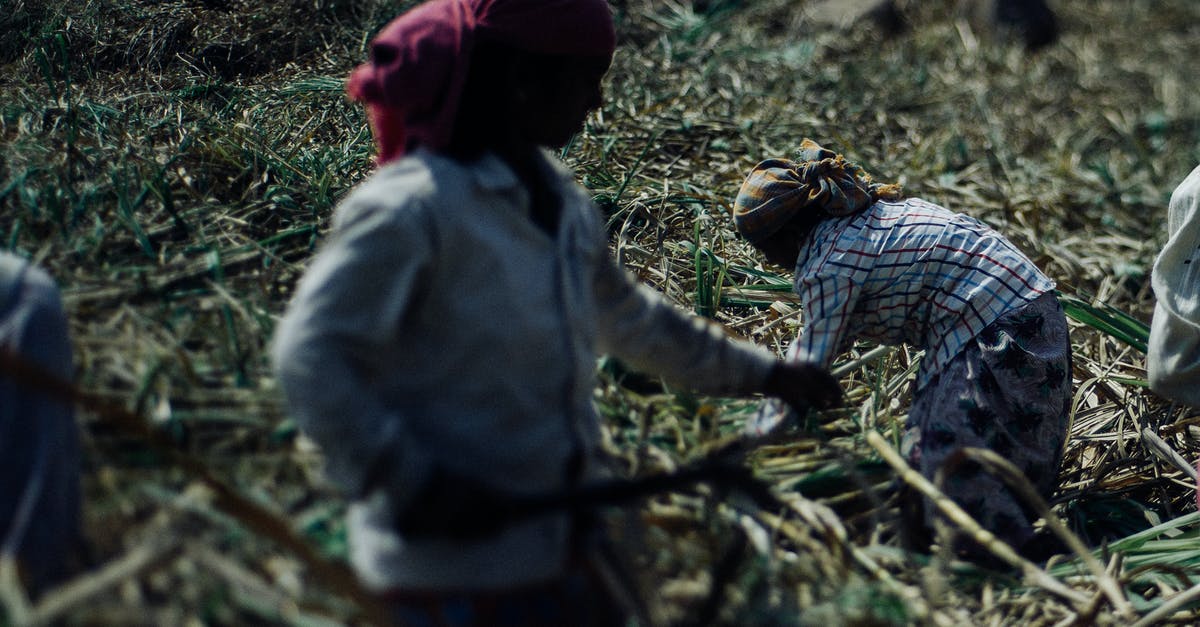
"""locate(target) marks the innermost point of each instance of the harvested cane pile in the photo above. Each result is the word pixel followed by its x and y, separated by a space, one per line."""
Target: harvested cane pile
pixel 174 165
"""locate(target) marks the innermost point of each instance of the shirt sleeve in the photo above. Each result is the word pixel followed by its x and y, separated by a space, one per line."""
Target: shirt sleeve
pixel 1173 355
pixel 326 352
pixel 827 301
pixel 641 327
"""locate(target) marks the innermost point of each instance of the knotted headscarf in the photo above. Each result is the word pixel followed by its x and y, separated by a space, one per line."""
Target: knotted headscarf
pixel 412 85
pixel 820 180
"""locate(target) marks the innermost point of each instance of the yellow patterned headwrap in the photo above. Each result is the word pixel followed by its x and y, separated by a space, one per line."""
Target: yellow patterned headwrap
pixel 777 190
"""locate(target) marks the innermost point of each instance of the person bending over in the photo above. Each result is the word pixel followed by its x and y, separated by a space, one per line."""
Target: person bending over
pixel 871 265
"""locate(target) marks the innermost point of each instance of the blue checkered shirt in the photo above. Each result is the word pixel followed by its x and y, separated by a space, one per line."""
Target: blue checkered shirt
pixel 907 272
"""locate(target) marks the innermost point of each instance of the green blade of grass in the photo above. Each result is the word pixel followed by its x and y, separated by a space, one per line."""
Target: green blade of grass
pixel 1108 320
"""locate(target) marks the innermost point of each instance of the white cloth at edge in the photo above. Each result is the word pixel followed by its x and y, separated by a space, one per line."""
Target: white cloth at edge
pixel 1173 358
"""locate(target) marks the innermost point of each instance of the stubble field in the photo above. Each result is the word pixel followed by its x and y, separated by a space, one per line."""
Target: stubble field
pixel 174 166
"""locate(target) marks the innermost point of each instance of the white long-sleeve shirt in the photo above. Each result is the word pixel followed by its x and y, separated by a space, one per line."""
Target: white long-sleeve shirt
pixel 440 326
pixel 1173 357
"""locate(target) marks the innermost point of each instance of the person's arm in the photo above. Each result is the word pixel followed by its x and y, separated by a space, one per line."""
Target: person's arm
pixel 326 349
pixel 639 326
pixel 1173 354
pixel 827 302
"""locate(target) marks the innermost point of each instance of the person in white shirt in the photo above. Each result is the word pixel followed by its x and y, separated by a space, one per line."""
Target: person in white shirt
pixel 441 348
pixel 1173 355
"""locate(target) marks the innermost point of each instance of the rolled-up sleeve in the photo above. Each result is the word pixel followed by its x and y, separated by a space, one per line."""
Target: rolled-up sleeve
pixel 1173 355
pixel 639 326
pixel 326 352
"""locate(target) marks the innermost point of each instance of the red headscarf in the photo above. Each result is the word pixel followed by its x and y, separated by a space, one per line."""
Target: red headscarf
pixel 411 86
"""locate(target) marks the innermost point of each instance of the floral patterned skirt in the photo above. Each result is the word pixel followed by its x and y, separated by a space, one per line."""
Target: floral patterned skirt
pixel 1008 391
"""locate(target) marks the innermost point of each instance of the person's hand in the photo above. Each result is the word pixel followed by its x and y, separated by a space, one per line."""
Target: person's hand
pixel 455 506
pixel 803 385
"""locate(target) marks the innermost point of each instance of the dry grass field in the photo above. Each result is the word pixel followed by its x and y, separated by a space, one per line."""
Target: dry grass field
pixel 174 165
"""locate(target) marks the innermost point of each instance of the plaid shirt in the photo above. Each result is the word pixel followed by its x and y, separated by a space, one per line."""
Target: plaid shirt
pixel 907 272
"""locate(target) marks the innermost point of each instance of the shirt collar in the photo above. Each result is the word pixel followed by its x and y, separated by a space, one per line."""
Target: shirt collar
pixel 492 174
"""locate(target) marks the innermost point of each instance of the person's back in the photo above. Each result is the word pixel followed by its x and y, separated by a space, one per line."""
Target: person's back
pixel 39 447
pixel 917 273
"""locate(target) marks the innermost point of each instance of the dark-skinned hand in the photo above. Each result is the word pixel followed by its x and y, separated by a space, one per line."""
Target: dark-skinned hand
pixel 803 385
